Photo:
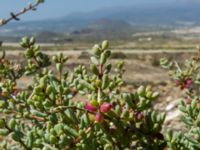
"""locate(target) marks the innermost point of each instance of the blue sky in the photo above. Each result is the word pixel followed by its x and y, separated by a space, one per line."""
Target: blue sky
pixel 59 8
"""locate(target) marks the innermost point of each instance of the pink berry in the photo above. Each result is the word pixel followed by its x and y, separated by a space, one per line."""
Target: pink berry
pixel 139 115
pixel 105 107
pixel 90 108
pixel 99 117
pixel 188 83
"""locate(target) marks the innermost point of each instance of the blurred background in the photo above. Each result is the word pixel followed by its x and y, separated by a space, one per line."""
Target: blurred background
pixel 131 24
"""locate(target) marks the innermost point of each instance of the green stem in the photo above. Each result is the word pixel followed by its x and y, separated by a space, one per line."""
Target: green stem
pixel 100 78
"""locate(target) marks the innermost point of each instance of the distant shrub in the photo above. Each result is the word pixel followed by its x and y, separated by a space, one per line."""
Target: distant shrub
pixel 118 55
pixel 186 78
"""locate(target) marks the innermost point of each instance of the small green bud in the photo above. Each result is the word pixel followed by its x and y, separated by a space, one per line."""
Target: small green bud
pixel 12 123
pixel 128 100
pixel 59 129
pixel 38 141
pixel 38 89
pixel 23 45
pixel 155 95
pixel 25 42
pixel 98 83
pixel 103 59
pixel 108 147
pixel 153 116
pixel 118 110
pixel 55 59
pixel 4 132
pixel 156 127
pixel 148 88
pixel 149 94
pixel 105 45
pixel 49 89
pixel 3 104
pixel 94 69
pixel 53 139
pixel 29 53
pixel 141 91
pixel 43 81
pixel 107 54
pixel 94 102
pixel 96 50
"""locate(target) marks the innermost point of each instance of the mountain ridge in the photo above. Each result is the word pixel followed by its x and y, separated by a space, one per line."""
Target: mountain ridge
pixel 170 14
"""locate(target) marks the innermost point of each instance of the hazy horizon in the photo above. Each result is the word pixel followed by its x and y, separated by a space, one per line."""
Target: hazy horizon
pixel 52 9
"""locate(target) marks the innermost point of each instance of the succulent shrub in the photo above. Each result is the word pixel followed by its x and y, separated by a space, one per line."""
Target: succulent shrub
pixel 82 109
pixel 186 77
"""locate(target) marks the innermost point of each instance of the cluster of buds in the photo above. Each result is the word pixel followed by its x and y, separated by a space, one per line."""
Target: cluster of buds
pixel 98 110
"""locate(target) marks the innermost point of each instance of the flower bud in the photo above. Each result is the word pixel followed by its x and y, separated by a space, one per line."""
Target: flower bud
pixel 105 107
pixel 99 117
pixel 105 45
pixel 96 50
pixel 90 108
